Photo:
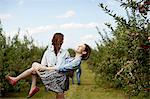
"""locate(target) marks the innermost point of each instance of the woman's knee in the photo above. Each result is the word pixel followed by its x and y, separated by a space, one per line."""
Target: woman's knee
pixel 35 66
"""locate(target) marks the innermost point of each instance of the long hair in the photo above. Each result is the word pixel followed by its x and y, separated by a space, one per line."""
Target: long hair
pixel 57 41
pixel 88 51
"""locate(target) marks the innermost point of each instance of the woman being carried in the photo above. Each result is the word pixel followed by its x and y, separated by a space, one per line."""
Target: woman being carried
pixel 54 77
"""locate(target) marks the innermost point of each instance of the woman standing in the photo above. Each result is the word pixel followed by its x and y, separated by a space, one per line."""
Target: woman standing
pixel 54 77
pixel 53 56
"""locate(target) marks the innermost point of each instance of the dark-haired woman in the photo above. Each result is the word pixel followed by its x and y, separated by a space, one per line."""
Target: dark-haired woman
pixel 53 56
pixel 54 77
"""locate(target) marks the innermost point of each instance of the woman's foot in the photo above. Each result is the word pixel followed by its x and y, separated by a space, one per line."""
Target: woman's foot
pixel 11 80
pixel 33 91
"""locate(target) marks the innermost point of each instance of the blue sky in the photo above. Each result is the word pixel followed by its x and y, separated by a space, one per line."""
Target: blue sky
pixel 76 19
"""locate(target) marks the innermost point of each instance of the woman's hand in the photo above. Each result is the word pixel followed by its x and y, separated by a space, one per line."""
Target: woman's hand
pixel 51 68
pixel 43 68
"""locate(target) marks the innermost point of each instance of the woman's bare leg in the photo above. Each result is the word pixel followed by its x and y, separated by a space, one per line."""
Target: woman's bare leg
pixel 26 73
pixel 23 75
pixel 34 79
pixel 35 66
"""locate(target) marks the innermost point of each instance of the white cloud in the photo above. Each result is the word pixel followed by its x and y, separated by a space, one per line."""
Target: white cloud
pixel 68 14
pixel 78 25
pixel 5 16
pixel 41 29
pixel 88 37
pixel 66 26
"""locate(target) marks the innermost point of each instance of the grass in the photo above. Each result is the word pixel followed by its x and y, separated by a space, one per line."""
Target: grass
pixel 87 90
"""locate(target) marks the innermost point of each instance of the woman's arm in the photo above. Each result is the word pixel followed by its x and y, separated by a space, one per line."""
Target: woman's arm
pixel 43 68
pixel 70 65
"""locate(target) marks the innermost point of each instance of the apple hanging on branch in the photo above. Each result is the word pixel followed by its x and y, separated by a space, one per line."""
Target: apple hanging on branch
pixel 144 7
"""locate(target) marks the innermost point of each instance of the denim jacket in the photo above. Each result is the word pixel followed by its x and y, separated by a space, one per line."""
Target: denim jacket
pixel 70 64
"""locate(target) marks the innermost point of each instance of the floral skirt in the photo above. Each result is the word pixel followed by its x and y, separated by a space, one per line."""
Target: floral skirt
pixel 53 80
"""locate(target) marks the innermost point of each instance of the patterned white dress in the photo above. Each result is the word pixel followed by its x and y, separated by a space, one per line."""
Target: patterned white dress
pixel 53 80
pixel 58 80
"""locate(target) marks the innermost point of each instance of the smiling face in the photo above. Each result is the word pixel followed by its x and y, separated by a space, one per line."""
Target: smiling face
pixel 84 50
pixel 80 49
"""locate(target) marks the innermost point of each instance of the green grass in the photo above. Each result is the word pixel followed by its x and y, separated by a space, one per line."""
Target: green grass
pixel 87 90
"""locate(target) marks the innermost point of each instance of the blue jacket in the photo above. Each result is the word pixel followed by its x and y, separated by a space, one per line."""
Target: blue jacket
pixel 70 64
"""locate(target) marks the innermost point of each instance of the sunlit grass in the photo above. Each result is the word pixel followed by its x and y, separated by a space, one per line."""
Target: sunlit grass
pixel 89 90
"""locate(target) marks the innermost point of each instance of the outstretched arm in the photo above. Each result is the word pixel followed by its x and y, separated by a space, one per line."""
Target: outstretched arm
pixel 68 66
